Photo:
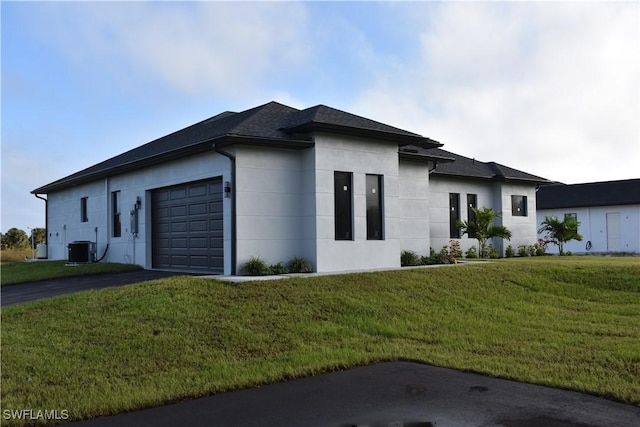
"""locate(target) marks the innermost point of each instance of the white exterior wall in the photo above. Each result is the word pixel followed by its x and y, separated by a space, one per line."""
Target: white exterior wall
pixel 414 202
pixel 270 204
pixel 524 229
pixel 496 196
pixel 360 157
pixel 439 188
pixel 64 224
pixel 593 228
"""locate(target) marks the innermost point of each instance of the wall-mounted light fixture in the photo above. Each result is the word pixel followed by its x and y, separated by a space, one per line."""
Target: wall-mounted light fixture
pixel 227 189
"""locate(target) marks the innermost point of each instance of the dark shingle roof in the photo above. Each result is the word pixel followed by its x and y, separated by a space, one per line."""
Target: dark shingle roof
pixel 322 117
pixel 607 193
pixel 459 166
pixel 269 124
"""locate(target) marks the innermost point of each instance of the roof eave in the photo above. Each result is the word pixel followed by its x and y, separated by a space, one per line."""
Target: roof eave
pixel 199 147
pixel 294 144
pixel 399 138
pixel 416 157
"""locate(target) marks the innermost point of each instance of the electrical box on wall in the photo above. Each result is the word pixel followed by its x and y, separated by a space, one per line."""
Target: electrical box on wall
pixel 134 221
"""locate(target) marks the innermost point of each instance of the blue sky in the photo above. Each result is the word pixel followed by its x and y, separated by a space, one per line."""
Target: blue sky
pixel 550 88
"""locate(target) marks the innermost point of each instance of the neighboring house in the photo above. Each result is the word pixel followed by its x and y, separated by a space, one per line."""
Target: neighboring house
pixel 342 191
pixel 608 212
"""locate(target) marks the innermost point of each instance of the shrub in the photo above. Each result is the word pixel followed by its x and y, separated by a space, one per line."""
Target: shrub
pixel 522 250
pixel 300 265
pixel 256 266
pixel 409 258
pixel 510 253
pixel 454 250
pixel 431 259
pixel 493 252
pixel 278 268
pixel 472 252
pixel 443 256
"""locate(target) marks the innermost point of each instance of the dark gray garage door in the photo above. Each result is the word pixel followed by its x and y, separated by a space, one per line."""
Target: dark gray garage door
pixel 187 227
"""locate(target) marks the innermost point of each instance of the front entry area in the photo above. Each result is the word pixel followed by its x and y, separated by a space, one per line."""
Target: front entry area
pixel 187 227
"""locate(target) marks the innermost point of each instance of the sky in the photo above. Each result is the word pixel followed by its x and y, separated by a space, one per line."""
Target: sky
pixel 549 88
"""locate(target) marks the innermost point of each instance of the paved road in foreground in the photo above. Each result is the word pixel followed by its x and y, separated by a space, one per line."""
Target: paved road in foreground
pixel 398 394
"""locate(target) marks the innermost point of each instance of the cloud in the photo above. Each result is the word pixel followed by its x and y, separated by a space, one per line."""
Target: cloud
pixel 549 88
pixel 196 48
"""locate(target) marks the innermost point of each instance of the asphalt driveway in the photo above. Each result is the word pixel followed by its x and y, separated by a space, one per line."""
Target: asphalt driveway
pixel 14 294
pixel 398 394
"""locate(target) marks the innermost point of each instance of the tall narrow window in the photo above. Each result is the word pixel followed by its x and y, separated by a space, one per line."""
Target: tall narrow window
pixel 84 216
pixel 343 195
pixel 454 215
pixel 472 203
pixel 519 205
pixel 115 209
pixel 374 207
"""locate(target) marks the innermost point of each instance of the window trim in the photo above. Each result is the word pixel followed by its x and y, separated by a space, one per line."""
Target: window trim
pixel 375 206
pixel 84 213
pixel 454 231
pixel 515 205
pixel 343 206
pixel 116 223
pixel 472 202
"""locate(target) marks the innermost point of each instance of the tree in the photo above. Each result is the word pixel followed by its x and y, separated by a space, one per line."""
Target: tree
pixel 39 235
pixel 15 238
pixel 560 232
pixel 483 228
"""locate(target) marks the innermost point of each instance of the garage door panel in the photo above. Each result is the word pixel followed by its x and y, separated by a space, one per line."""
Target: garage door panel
pixel 188 227
pixel 198 225
pixel 178 194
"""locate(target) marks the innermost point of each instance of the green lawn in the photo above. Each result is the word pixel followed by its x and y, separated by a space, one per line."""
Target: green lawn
pixel 568 322
pixel 22 272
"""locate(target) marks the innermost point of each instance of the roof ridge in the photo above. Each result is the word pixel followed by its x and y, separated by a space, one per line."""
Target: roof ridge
pixel 497 169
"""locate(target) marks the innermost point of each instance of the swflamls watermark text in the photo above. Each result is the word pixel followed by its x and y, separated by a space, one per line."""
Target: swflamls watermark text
pixel 35 414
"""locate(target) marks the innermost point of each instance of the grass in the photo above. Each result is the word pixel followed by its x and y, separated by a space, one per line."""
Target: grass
pixel 12 273
pixel 563 322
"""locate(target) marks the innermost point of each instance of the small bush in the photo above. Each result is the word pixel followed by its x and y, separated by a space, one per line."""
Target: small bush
pixel 300 265
pixel 429 260
pixel 278 268
pixel 493 252
pixel 256 266
pixel 510 253
pixel 409 258
pixel 472 252
pixel 443 256
pixel 522 250
pixel 454 250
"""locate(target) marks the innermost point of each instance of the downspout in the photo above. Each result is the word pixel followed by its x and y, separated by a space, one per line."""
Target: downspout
pixel 46 221
pixel 232 159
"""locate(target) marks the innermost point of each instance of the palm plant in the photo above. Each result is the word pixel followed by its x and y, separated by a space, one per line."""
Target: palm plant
pixel 560 232
pixel 483 229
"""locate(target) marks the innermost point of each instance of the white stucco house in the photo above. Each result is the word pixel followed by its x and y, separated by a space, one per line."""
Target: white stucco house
pixel 340 190
pixel 608 213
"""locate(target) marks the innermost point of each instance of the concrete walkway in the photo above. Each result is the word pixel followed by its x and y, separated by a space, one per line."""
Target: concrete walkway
pixel 398 394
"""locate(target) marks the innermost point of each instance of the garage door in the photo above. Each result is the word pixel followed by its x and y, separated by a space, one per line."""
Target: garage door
pixel 187 227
